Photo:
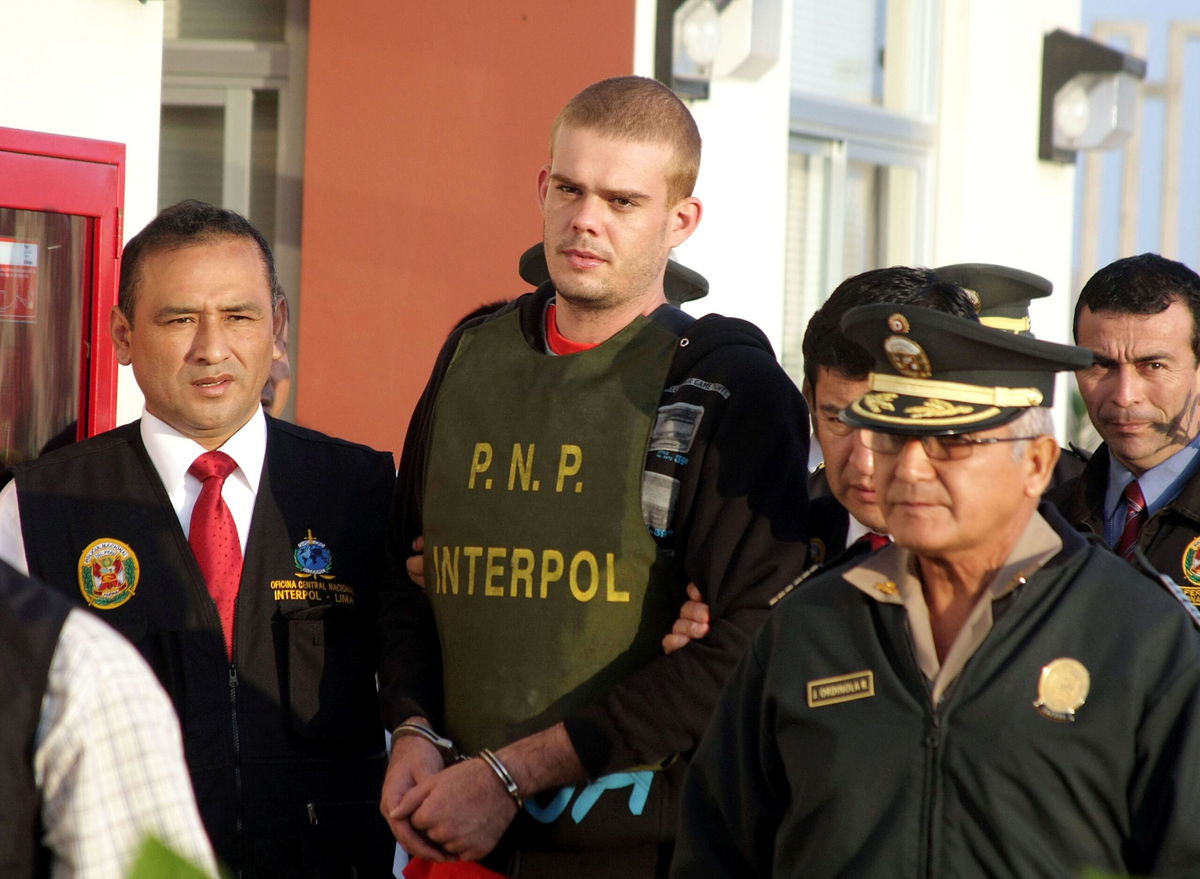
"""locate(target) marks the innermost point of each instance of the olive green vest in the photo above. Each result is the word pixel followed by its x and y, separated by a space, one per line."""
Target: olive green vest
pixel 547 586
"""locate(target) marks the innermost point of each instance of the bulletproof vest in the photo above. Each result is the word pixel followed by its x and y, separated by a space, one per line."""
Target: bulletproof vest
pixel 30 622
pixel 545 581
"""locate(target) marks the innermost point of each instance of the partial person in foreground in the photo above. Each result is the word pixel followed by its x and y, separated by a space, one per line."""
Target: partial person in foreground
pixel 577 457
pixel 991 695
pixel 91 762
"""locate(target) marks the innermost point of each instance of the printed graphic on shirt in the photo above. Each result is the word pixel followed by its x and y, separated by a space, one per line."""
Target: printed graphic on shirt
pixel 675 427
pixel 841 688
pixel 659 494
pixel 1062 688
pixel 315 580
pixel 108 573
pixel 638 782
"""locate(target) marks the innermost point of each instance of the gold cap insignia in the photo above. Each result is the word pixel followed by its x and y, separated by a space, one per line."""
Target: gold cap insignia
pixel 907 357
pixel 937 409
pixel 898 323
pixel 976 302
pixel 1062 688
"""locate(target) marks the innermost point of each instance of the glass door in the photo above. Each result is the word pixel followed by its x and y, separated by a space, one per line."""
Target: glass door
pixel 60 243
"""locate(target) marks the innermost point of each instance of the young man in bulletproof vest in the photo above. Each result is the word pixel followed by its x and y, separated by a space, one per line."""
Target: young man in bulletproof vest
pixel 577 457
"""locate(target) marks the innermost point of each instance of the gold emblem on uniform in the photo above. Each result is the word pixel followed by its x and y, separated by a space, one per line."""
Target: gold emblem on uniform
pixel 937 409
pixel 898 323
pixel 879 401
pixel 887 587
pixel 907 357
pixel 1191 568
pixel 841 688
pixel 1062 688
pixel 108 573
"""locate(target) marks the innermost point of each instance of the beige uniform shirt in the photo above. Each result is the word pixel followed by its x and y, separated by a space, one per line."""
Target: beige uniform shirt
pixel 891 576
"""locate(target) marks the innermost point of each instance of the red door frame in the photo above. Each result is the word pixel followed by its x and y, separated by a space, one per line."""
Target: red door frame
pixel 74 175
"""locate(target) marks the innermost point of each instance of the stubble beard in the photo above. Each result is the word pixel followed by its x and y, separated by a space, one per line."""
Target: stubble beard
pixel 614 288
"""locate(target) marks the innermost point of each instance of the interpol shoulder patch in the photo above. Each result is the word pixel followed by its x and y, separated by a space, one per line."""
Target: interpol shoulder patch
pixel 108 573
pixel 841 688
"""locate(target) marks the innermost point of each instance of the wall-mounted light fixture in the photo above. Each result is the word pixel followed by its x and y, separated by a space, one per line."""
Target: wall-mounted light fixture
pixel 747 34
pixel 1089 96
pixel 689 34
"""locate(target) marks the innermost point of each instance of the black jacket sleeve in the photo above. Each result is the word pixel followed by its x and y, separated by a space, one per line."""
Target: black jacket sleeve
pixel 738 532
pixel 734 793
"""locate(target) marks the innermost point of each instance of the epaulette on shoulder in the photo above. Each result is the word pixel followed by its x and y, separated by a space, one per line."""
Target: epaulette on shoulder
pixel 850 553
pixel 787 590
pixel 1139 561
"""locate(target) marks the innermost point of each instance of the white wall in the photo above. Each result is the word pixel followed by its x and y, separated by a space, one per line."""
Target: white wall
pixel 90 68
pixel 996 201
pixel 740 243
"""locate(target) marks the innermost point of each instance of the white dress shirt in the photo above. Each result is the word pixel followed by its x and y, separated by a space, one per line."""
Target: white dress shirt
pixel 172 454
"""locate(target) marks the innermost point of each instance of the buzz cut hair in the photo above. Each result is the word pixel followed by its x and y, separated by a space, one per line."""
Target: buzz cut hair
pixel 182 225
pixel 641 110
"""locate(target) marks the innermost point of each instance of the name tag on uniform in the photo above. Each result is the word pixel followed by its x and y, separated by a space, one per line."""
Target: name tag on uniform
pixel 841 688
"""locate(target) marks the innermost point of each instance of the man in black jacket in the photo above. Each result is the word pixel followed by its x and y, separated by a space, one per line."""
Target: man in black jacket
pixel 843 505
pixel 1141 317
pixel 576 458
pixel 962 702
pixel 256 596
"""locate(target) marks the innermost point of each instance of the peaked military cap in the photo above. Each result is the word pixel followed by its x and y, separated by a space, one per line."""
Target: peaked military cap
pixel 937 373
pixel 1001 294
pixel 681 284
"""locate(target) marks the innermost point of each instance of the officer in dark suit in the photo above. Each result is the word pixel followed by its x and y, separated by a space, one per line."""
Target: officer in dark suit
pixel 1141 316
pixel 243 556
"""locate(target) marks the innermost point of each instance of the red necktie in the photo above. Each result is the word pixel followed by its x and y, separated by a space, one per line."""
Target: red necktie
pixel 876 540
pixel 1135 518
pixel 872 540
pixel 214 538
